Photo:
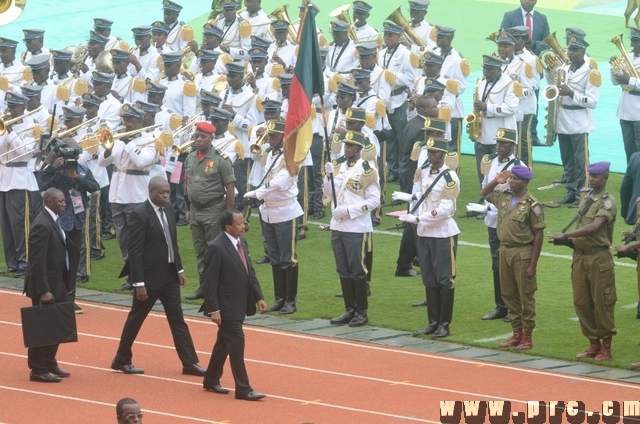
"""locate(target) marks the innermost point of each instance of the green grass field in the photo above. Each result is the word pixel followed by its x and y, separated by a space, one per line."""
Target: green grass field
pixel 557 334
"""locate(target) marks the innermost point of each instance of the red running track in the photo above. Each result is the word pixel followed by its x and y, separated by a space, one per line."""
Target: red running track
pixel 307 379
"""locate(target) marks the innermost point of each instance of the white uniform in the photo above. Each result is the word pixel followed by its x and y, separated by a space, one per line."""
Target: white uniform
pixel 574 114
pixel 502 104
pixel 454 67
pixel 123 85
pixel 114 43
pixel 174 40
pixel 238 46
pixel 138 154
pixel 287 52
pixel 228 144
pixel 14 73
pixel 149 60
pixel 109 110
pixel 424 29
pixel 266 87
pixel 27 55
pixel 18 177
pixel 519 70
pixel 279 191
pixel 260 22
pixel 629 104
pixel 175 99
pixel 399 63
pixel 366 34
pixel 244 105
pixel 90 160
pixel 435 213
pixel 342 59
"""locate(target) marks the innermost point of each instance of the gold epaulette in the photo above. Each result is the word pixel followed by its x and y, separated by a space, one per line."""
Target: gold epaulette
pixel 27 75
pixel 595 78
pixel 175 121
pixel 539 67
pixel 451 188
pixel 37 131
pixel 369 152
pixel 381 109
pixel 275 84
pixel 244 29
pixel 415 60
pixel 528 70
pixel 417 176
pixel 189 89
pixel 160 63
pixel 259 104
pixel 485 164
pixel 433 34
pixel 389 77
pixel 452 86
pixel 276 70
pixel 139 85
pixel 123 45
pixel 232 128
pixel 369 176
pixel 4 83
pixel 593 63
pixel 80 87
pixel 62 93
pixel 239 149
pixel 332 85
pixel 415 152
pixel 465 67
pixel 371 120
pixel 518 90
pixel 226 59
pixel 452 160
pixel 336 145
pixel 187 33
pixel 445 112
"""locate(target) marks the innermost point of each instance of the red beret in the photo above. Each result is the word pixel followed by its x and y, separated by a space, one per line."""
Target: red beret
pixel 206 127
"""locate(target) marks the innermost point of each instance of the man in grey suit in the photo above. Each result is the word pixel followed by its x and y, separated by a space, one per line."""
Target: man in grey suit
pixel 536 21
pixel 231 291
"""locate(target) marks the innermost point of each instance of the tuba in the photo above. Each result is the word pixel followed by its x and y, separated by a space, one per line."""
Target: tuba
pixel 342 14
pixel 10 10
pixel 555 57
pixel 410 36
pixel 474 125
pixel 80 54
pixel 281 13
pixel 623 63
pixel 104 63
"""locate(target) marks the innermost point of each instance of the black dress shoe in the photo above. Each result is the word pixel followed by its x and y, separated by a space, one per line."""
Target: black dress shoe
pixel 496 314
pixel 182 223
pixel 566 200
pixel 217 388
pixel 44 378
pixel 392 178
pixel 107 236
pixel 318 215
pixel 198 294
pixel 263 260
pixel 82 280
pixel 252 395
pixel 421 303
pixel 58 371
pixel 301 237
pixel 125 286
pixel 97 257
pixel 194 369
pixel 560 181
pixel 506 319
pixel 76 309
pixel 127 369
pixel 19 273
pixel 537 142
pixel 407 273
pixel 343 319
pixel 359 320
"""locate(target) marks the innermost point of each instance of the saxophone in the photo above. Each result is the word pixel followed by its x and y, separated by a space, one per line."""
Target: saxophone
pixel 474 126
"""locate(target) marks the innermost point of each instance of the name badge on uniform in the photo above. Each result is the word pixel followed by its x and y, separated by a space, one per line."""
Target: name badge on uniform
pixel 208 168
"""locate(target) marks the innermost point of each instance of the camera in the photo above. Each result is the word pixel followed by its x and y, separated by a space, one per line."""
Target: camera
pixel 60 149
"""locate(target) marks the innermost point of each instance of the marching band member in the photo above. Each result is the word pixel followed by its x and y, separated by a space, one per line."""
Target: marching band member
pixel 17 182
pixel 282 52
pixel 336 123
pixel 208 100
pixel 357 194
pixel 262 83
pixel 278 214
pixel 43 117
pixel 159 32
pixel 40 69
pixel 578 90
pixel 417 12
pixel 285 89
pixel 629 105
pixel 13 73
pixel 236 32
pixel 109 110
pixel 207 76
pixel 103 27
pixel 341 57
pixel 145 60
pixel 272 112
pixel 34 40
pixel 257 17
pixel 365 33
pixel 211 36
pixel 97 43
pixel 456 70
pixel 70 87
pixel 179 33
pixel 158 170
pixel 125 88
pixel 223 141
pixel 495 102
pixel 180 96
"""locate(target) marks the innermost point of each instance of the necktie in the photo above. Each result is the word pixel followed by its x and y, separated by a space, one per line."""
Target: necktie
pixel 167 236
pixel 242 258
pixel 529 25
pixel 64 239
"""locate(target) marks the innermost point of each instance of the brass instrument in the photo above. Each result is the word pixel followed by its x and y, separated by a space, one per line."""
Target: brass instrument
pixel 104 136
pixel 494 35
pixel 474 125
pixel 281 13
pixel 555 57
pixel 4 124
pixel 552 95
pixel 10 10
pixel 256 148
pixel 79 55
pixel 62 134
pixel 342 14
pixel 104 62
pixel 623 63
pixel 183 149
pixel 409 36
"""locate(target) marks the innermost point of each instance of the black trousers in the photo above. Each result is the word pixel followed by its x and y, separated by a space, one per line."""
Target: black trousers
pixel 408 249
pixel 40 359
pixel 169 296
pixel 230 342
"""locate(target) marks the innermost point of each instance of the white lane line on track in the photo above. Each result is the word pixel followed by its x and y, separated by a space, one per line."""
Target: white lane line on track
pixel 363 345
pixel 95 402
pixel 286 398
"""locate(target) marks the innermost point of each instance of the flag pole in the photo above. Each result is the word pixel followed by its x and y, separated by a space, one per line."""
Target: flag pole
pixel 327 143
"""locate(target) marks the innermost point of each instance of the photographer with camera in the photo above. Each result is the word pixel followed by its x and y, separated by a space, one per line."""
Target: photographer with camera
pixel 75 181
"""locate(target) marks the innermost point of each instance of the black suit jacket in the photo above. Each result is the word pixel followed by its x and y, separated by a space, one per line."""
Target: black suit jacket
pixel 147 248
pixel 540 27
pixel 414 131
pixel 228 287
pixel 46 265
pixel 630 189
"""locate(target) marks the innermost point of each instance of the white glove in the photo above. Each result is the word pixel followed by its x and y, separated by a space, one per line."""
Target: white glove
pixel 401 196
pixel 328 168
pixel 341 212
pixel 477 208
pixel 250 195
pixel 410 218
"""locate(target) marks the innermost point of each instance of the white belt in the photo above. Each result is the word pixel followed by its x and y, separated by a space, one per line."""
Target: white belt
pixel 279 202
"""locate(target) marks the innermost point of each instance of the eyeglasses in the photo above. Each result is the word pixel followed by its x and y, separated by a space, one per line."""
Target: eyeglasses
pixel 132 416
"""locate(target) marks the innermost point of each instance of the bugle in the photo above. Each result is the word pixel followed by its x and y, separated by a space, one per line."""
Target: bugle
pixel 4 124
pixel 256 148
pixel 106 138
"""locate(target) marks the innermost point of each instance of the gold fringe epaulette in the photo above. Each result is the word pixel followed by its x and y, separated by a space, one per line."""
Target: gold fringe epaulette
pixel 465 67
pixel 263 157
pixel 369 151
pixel 239 149
pixel 336 145
pixel 595 78
pixel 62 93
pixel 485 164
pixel 80 87
pixel 187 33
pixel 38 131
pixel 369 176
pixel 451 189
pixel 4 83
pixel 415 152
pixel 189 89
pixel 452 160
pixel 452 86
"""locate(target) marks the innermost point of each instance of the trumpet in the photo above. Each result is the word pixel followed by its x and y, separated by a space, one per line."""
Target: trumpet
pixel 256 148
pixel 185 148
pixel 185 128
pixel 104 136
pixel 5 123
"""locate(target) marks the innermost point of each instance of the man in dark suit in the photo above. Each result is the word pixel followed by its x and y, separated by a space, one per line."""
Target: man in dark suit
pixel 155 270
pixel 630 190
pixel 231 291
pixel 47 278
pixel 539 27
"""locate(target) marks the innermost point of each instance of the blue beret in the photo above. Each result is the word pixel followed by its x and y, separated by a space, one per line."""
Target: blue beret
pixel 130 111
pixel 91 99
pixel 141 31
pixel 219 113
pixel 102 23
pixel 32 34
pixel 153 88
pixel 61 55
pixel 31 90
pixel 38 62
pixel 160 26
pixel 443 31
pixel 72 112
pixel 171 57
pixel 392 28
pixel 147 107
pixel 119 55
pixel 494 61
pixel 15 99
pixel 599 167
pixel 505 38
pixel 362 6
pixel 575 41
pixel 209 97
pixel 102 77
pixel 169 5
pixel 94 37
pixel 5 42
pixel 432 58
pixel 210 29
pixel 522 172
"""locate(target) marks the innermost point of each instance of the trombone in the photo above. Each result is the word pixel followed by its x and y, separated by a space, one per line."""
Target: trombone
pixel 185 128
pixel 5 123
pixel 13 159
pixel 62 134
pixel 256 148
pixel 104 137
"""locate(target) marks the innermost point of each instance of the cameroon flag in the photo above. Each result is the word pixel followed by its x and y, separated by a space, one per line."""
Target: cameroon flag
pixel 307 81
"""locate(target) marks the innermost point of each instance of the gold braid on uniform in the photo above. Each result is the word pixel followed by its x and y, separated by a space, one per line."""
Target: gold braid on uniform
pixel 369 176
pixel 485 164
pixel 337 162
pixel 417 147
pixel 369 150
pixel 451 189
pixel 336 145
pixel 452 160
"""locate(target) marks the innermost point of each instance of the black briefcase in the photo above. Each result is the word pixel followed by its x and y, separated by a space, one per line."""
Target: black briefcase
pixel 50 324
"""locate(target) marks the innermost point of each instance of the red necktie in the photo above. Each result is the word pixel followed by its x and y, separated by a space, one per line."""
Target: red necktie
pixel 529 25
pixel 242 258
